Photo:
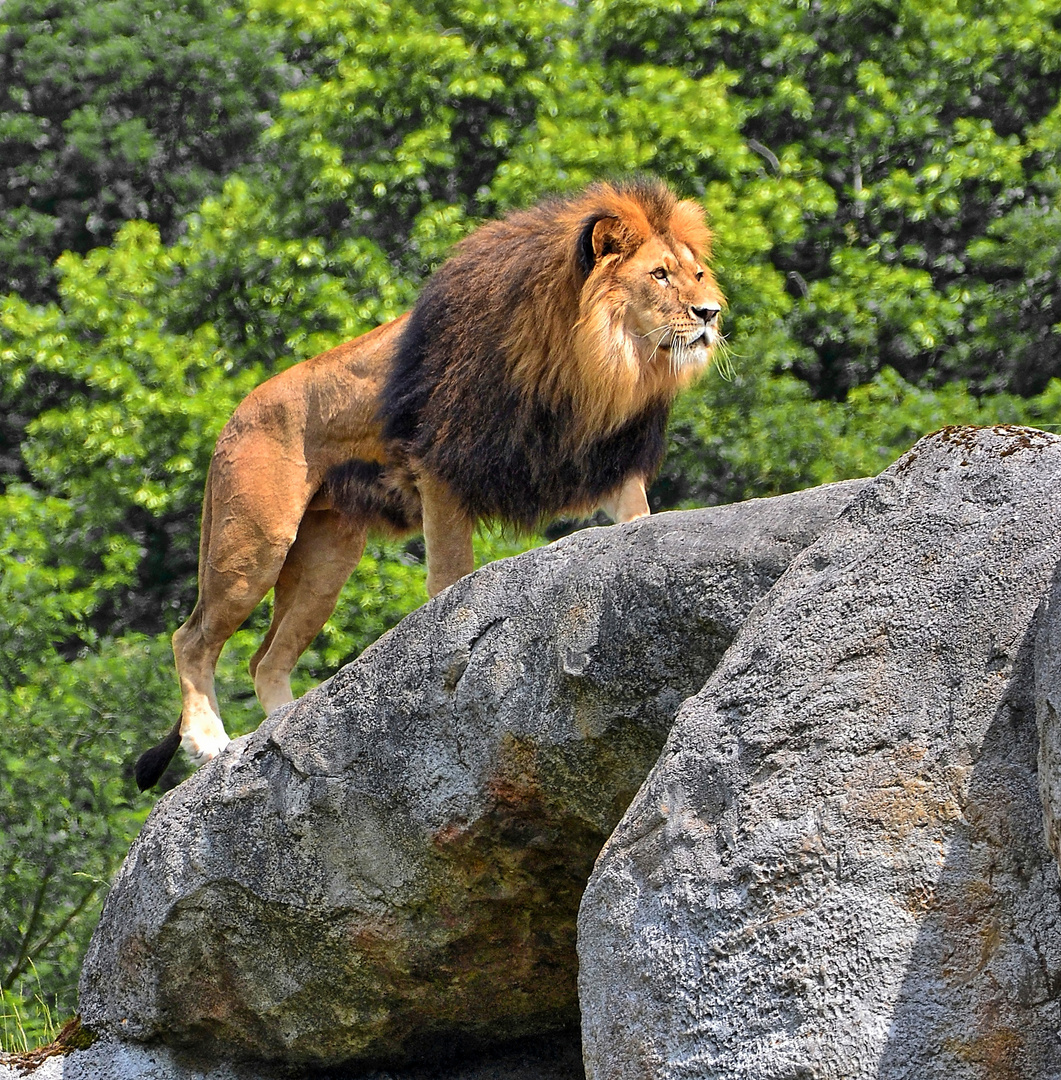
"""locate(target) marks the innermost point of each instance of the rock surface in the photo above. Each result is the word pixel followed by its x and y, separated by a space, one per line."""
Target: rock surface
pixel 390 869
pixel 837 868
pixel 1048 712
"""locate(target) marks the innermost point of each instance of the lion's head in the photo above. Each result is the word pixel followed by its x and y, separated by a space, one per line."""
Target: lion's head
pixel 650 307
pixel 632 302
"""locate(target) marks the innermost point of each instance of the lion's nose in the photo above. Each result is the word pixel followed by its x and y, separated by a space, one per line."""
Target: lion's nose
pixel 709 312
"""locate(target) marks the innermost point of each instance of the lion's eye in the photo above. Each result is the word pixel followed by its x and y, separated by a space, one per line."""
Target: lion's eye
pixel 660 273
pixel 699 274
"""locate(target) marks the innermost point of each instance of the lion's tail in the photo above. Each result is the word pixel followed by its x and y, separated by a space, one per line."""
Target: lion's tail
pixel 151 764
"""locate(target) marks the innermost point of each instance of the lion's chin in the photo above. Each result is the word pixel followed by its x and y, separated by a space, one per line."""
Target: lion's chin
pixel 683 356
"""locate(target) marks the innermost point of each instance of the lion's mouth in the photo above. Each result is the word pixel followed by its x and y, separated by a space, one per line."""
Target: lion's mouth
pixel 699 338
pixel 676 340
pixel 680 351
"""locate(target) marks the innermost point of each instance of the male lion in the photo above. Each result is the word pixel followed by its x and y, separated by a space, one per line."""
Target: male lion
pixel 533 378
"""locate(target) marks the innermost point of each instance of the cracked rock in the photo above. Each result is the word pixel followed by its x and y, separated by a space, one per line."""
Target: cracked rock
pixel 837 868
pixel 390 869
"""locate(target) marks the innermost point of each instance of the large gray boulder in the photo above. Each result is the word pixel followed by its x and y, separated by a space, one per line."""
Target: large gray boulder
pixel 389 870
pixel 837 868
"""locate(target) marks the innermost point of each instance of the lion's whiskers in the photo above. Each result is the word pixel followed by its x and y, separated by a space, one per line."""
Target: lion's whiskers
pixel 662 331
pixel 724 359
pixel 665 327
pixel 680 357
pixel 679 354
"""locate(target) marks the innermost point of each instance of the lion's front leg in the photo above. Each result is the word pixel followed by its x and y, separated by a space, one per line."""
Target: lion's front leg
pixel 447 535
pixel 629 502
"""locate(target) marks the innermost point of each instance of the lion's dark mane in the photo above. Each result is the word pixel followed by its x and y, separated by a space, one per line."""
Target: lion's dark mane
pixel 361 489
pixel 451 404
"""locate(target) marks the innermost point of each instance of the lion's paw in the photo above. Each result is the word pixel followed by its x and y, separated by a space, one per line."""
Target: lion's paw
pixel 203 748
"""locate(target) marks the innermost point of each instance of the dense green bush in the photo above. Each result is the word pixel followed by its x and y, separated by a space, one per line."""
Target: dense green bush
pixel 237 189
pixel 119 109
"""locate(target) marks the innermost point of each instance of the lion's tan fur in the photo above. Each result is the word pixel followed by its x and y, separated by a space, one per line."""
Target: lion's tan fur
pixel 565 339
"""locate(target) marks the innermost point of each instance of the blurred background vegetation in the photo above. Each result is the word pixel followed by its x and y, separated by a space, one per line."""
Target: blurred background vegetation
pixel 192 198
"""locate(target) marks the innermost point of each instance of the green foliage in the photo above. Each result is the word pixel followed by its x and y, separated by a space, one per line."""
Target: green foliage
pixel 414 107
pixel 113 467
pixel 116 109
pixel 269 289
pixel 933 127
pixel 758 435
pixel 67 808
pixel 882 177
pixel 26 1018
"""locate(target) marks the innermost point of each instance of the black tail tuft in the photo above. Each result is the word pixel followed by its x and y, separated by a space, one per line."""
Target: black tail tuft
pixel 151 764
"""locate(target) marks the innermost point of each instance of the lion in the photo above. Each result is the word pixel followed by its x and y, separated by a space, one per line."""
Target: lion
pixel 533 378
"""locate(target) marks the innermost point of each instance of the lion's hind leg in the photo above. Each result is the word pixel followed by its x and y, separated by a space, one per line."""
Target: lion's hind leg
pixel 328 547
pixel 248 529
pixel 221 609
pixel 196 648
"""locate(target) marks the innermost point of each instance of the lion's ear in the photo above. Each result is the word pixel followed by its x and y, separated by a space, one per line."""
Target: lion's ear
pixel 603 236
